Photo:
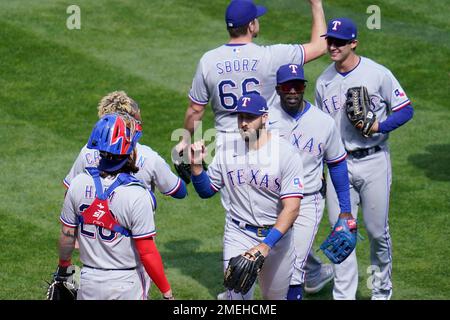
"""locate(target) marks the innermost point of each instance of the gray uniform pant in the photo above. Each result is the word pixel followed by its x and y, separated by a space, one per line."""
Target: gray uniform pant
pixel 370 181
pixel 276 272
pixel 305 230
pixel 98 284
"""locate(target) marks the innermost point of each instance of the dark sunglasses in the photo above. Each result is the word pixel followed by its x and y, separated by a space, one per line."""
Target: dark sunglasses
pixel 288 86
pixel 338 42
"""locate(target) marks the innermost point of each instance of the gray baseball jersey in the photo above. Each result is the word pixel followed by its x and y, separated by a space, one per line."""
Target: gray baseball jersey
pixel 314 134
pixel 257 180
pixel 153 169
pixel 228 72
pixel 368 189
pixel 385 93
pixel 132 205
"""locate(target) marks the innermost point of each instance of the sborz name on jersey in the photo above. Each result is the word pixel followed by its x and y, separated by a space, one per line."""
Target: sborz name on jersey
pixel 238 65
pixel 238 309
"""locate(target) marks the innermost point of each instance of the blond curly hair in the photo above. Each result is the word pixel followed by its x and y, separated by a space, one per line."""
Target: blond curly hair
pixel 118 102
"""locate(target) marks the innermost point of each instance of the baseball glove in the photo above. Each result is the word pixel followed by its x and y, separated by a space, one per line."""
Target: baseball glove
pixel 341 241
pixel 242 271
pixel 357 107
pixel 182 167
pixel 63 285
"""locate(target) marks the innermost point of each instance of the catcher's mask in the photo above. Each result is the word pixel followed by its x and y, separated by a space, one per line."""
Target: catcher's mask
pixel 115 134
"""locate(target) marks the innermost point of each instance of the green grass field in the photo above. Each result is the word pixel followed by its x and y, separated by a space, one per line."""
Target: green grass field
pixel 52 78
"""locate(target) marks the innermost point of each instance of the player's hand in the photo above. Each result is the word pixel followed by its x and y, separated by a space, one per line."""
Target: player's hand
pixel 345 215
pixel 168 295
pixel 374 129
pixel 198 153
pixel 182 145
pixel 262 247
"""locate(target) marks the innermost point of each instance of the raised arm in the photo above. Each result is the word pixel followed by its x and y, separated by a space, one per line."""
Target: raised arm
pixel 317 46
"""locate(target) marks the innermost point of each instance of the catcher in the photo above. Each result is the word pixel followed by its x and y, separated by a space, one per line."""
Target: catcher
pixel 263 175
pixel 111 213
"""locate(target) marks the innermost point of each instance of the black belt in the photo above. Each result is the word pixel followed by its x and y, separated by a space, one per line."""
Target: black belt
pixel 311 193
pixel 125 269
pixel 259 231
pixel 361 153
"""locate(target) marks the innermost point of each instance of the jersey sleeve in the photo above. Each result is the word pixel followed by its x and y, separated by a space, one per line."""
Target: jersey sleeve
pixel 166 181
pixel 77 168
pixel 69 213
pixel 199 91
pixel 215 173
pixel 318 95
pixel 393 93
pixel 143 223
pixel 287 53
pixel 292 176
pixel 334 148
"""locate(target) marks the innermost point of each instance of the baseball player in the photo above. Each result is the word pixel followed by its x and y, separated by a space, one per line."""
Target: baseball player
pixel 264 178
pixel 153 169
pixel 369 163
pixel 110 212
pixel 315 136
pixel 240 67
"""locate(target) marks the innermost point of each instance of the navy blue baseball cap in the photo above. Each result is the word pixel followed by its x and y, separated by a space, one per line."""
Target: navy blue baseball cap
pixel 290 72
pixel 341 28
pixel 252 103
pixel 241 12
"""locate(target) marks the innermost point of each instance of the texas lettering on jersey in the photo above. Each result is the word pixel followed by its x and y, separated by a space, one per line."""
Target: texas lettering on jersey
pixel 254 177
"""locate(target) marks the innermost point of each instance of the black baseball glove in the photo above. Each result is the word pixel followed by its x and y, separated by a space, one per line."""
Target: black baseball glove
pixel 181 165
pixel 242 271
pixel 63 286
pixel 357 107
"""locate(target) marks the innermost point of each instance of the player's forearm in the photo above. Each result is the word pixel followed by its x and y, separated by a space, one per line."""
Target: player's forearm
pixel 201 182
pixel 339 176
pixel 288 214
pixel 194 114
pixel 317 45
pixel 152 261
pixel 285 220
pixel 66 243
pixel 396 119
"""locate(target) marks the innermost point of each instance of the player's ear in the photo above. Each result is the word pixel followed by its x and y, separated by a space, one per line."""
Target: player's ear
pixel 277 88
pixel 264 118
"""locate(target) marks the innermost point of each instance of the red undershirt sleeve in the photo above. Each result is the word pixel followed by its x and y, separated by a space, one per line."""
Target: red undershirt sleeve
pixel 152 261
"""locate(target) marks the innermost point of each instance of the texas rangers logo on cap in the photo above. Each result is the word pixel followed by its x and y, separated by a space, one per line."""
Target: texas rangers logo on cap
pixel 293 68
pixel 336 23
pixel 245 100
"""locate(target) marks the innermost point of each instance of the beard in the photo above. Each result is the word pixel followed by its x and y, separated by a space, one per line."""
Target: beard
pixel 250 135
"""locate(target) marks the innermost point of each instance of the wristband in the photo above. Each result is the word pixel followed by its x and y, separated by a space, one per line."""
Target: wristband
pixel 65 263
pixel 273 237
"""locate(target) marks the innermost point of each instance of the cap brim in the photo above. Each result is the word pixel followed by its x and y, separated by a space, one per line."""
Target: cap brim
pixel 111 165
pixel 260 11
pixel 337 36
pixel 291 79
pixel 248 112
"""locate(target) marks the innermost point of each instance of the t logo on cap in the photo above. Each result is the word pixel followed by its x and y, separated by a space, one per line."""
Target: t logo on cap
pixel 245 100
pixel 336 23
pixel 293 67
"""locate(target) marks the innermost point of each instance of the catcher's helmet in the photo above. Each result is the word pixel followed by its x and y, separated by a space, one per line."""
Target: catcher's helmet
pixel 115 134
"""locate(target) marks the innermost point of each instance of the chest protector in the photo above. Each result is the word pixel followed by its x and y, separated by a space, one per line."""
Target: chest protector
pixel 98 212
